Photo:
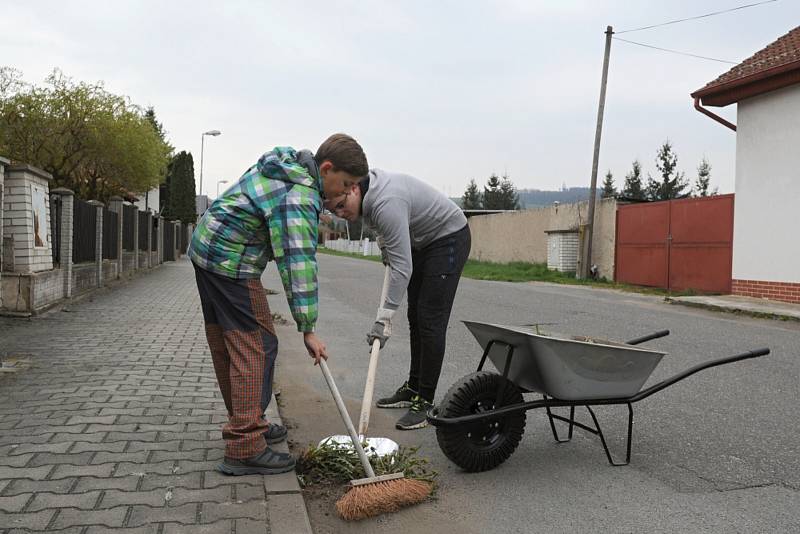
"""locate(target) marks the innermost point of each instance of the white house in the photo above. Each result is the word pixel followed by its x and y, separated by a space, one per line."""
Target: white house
pixel 766 90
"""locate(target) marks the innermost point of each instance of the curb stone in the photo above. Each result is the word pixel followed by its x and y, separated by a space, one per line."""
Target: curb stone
pixel 286 507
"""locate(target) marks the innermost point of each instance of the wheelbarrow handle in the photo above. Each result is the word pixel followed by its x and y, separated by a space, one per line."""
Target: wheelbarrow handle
pixel 713 363
pixel 648 337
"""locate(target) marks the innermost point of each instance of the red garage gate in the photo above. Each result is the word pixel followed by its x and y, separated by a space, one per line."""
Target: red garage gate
pixel 677 244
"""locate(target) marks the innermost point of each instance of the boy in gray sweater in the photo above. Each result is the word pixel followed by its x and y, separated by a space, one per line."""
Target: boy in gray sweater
pixel 425 241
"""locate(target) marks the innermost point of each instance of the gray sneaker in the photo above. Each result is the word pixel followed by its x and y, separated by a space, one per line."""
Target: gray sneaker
pixel 401 398
pixel 268 462
pixel 416 417
pixel 275 433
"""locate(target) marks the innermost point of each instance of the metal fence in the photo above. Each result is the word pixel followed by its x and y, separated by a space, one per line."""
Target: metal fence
pixel 128 222
pixel 84 229
pixel 110 234
pixel 154 230
pixel 55 227
pixel 169 241
pixel 143 230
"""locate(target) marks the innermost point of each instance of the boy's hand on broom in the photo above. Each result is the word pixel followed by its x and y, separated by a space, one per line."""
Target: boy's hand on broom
pixel 316 348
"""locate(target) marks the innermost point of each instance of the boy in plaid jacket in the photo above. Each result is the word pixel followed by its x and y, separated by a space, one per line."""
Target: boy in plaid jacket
pixel 271 213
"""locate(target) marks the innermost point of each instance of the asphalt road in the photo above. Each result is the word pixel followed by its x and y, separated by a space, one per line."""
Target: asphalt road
pixel 717 452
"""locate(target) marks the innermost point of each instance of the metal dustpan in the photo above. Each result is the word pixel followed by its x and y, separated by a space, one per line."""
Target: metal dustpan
pixel 372 446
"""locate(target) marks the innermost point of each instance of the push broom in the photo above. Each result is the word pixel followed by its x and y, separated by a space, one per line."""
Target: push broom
pixel 373 495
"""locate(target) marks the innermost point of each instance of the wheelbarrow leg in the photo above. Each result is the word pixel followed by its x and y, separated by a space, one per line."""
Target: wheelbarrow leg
pixel 599 432
pixel 551 417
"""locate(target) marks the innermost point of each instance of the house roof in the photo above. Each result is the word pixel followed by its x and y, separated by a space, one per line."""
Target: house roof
pixel 775 66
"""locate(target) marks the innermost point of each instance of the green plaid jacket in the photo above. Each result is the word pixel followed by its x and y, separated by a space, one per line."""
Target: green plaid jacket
pixel 271 213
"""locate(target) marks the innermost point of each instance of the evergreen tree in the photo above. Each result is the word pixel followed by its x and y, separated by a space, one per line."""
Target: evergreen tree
pixel 703 181
pixel 492 196
pixel 181 200
pixel 472 198
pixel 671 183
pixel 609 190
pixel 164 190
pixel 508 194
pixel 633 183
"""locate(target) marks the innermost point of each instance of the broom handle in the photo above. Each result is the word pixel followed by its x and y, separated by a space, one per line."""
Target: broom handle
pixel 346 418
pixel 369 388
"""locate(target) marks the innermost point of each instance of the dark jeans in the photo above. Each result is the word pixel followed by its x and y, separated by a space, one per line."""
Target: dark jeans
pixel 431 291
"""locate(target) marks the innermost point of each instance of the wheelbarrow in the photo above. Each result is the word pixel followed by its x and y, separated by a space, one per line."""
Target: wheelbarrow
pixel 481 418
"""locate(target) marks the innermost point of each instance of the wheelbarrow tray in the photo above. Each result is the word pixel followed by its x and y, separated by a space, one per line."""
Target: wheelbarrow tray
pixel 564 367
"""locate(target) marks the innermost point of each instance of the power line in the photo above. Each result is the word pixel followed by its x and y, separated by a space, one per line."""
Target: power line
pixel 676 51
pixel 698 17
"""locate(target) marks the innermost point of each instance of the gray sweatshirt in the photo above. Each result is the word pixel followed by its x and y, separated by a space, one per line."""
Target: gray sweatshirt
pixel 408 214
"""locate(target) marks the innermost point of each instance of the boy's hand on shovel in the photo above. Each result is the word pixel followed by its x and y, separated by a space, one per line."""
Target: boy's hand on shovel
pixel 316 348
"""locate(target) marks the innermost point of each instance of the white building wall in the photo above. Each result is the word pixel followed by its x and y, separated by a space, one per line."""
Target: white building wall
pixel 148 200
pixel 765 242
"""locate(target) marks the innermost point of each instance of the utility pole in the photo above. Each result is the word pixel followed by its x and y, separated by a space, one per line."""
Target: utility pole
pixel 586 261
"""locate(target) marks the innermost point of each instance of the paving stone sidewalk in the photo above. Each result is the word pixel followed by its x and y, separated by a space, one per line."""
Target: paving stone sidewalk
pixel 110 422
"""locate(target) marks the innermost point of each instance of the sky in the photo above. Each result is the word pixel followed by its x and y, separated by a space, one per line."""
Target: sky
pixel 447 91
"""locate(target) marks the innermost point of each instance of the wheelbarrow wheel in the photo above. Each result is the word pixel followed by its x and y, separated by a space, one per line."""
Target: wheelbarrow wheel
pixel 485 444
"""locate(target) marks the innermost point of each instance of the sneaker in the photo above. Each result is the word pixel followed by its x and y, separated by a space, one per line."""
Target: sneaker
pixel 416 417
pixel 268 462
pixel 275 433
pixel 400 399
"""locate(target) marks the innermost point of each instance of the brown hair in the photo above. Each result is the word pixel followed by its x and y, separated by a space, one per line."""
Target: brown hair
pixel 344 153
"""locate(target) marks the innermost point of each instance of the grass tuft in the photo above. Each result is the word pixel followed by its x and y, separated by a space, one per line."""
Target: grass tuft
pixel 329 463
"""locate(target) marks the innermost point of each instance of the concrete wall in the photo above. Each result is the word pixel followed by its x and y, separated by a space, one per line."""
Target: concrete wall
pixel 84 277
pixel 767 188
pixel 24 292
pixel 110 268
pixel 520 236
pixel 3 163
pixel 128 262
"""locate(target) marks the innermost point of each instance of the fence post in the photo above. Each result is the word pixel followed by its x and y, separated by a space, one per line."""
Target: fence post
pixel 178 240
pixel 160 234
pixel 135 212
pixel 65 238
pixel 98 241
pixel 149 239
pixel 115 205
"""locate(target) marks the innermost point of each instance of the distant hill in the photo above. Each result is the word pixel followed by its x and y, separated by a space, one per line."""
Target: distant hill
pixel 532 198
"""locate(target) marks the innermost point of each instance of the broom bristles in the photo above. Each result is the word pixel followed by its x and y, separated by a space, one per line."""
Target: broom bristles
pixel 369 500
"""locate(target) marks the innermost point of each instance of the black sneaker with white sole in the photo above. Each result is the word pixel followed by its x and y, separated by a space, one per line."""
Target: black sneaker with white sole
pixel 416 417
pixel 269 462
pixel 400 399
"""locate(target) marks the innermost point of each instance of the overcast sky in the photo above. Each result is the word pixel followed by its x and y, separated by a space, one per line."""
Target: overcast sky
pixel 444 90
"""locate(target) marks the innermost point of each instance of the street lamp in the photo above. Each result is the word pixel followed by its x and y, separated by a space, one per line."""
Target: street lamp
pixel 202 140
pixel 220 182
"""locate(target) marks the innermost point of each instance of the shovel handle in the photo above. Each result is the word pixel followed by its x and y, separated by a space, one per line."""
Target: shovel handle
pixel 346 419
pixel 369 387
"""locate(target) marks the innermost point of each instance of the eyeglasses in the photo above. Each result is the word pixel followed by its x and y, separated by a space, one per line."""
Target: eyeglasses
pixel 339 205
